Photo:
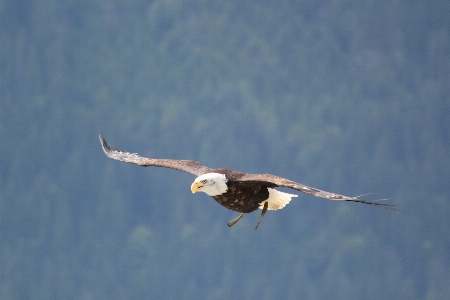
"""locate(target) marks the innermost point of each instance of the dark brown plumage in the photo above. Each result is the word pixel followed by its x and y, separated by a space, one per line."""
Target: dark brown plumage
pixel 242 198
pixel 245 192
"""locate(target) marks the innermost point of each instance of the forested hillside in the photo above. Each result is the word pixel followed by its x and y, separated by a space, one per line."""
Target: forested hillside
pixel 347 96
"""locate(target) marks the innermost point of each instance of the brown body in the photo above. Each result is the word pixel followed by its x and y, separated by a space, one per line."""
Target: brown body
pixel 239 197
pixel 243 199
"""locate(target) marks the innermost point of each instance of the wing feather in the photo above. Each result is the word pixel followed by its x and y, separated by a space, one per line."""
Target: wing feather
pixel 189 166
pixel 273 180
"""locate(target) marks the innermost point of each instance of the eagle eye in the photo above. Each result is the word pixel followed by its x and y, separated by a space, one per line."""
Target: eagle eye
pixel 204 181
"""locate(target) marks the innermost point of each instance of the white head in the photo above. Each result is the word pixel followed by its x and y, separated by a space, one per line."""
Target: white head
pixel 211 183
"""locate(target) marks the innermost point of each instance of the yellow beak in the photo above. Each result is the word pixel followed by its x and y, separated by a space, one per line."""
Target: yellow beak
pixel 195 187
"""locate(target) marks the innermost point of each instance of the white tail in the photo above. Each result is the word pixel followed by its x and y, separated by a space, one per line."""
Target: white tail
pixel 277 199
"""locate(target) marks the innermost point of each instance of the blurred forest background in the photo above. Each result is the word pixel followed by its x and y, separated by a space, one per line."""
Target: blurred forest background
pixel 347 96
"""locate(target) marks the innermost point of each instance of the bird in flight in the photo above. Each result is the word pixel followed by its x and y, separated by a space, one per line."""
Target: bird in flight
pixel 238 191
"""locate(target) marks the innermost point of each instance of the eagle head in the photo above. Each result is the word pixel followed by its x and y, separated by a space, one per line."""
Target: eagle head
pixel 213 184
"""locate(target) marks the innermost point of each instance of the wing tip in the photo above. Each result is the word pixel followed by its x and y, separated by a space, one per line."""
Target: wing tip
pixel 105 146
pixel 376 203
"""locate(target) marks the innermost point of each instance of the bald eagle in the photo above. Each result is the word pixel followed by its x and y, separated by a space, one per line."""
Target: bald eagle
pixel 241 192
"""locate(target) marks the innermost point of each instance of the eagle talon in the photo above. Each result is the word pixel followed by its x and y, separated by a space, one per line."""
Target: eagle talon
pixel 232 222
pixel 266 205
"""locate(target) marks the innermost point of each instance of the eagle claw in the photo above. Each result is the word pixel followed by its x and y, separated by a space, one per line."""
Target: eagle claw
pixel 232 222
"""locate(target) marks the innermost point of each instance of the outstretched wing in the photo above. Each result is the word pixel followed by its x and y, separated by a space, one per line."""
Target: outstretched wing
pixel 273 180
pixel 188 166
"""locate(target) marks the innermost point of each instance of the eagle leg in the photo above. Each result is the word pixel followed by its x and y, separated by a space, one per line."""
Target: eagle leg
pixel 266 205
pixel 232 222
